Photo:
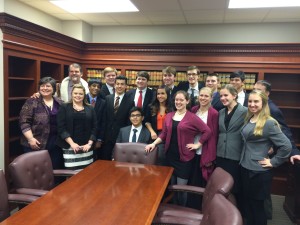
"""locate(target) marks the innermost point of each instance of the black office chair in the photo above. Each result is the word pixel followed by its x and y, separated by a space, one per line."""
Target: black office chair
pixel 6 198
pixel 134 152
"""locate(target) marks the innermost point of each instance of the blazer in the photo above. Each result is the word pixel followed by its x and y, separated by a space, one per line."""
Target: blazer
pixel 230 142
pixel 277 115
pixel 65 124
pixel 185 85
pixel 256 147
pixel 216 102
pixel 104 92
pixel 147 100
pixel 34 116
pixel 124 133
pixel 99 109
pixel 187 129
pixel 209 148
pixel 114 122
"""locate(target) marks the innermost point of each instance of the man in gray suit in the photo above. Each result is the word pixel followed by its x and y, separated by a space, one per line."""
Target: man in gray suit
pixel 136 132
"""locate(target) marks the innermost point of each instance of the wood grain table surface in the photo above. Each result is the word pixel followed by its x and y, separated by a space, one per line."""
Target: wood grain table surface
pixel 106 192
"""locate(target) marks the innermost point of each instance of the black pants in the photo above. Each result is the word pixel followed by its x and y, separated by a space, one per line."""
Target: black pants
pixel 256 186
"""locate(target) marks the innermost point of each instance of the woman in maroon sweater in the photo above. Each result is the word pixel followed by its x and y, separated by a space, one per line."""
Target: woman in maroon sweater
pixel 179 131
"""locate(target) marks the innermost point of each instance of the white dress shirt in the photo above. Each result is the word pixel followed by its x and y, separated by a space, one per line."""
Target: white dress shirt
pixel 241 97
pixel 137 94
pixel 139 129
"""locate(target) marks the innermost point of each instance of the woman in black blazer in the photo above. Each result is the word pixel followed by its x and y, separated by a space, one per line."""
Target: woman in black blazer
pixel 156 112
pixel 77 127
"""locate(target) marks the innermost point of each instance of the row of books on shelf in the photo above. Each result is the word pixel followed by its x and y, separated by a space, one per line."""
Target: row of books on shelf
pixel 157 76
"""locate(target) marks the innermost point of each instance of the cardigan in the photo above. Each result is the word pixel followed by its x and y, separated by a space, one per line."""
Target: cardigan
pixel 35 117
pixel 187 129
pixel 209 148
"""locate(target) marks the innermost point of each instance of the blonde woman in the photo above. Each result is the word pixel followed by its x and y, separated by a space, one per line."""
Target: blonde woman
pixel 260 133
pixel 77 127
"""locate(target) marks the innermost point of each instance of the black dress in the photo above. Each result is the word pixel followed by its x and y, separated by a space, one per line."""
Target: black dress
pixel 181 169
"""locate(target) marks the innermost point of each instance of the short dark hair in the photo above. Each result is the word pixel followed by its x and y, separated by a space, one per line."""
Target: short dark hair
pixel 212 75
pixel 194 68
pixel 75 65
pixel 266 84
pixel 135 108
pixel 144 74
pixel 238 73
pixel 169 70
pixel 94 81
pixel 121 77
pixel 46 80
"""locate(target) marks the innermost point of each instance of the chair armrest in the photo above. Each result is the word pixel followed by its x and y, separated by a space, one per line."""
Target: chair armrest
pixel 21 198
pixel 162 220
pixel 179 211
pixel 66 173
pixel 187 188
pixel 31 191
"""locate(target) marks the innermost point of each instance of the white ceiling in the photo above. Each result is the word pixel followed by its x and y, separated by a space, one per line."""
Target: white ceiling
pixel 171 12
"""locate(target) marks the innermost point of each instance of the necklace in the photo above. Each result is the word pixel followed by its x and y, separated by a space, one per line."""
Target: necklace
pixel 180 113
pixel 78 108
pixel 49 103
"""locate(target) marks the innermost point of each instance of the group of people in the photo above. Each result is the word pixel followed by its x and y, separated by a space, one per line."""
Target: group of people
pixel 195 126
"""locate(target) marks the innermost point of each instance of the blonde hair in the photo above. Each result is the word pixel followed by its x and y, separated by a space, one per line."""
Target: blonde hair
pixel 79 86
pixel 263 115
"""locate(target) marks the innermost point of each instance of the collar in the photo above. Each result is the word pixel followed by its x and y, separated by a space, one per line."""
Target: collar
pixel 139 128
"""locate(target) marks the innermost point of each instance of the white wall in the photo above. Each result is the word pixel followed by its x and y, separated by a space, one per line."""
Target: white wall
pixel 78 30
pixel 212 33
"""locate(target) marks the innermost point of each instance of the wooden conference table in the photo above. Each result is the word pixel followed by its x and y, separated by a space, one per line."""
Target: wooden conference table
pixel 106 192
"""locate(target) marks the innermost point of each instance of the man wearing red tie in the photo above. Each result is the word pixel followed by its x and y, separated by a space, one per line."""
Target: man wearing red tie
pixel 142 95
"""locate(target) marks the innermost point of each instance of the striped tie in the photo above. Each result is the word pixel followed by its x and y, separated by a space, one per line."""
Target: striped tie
pixel 117 104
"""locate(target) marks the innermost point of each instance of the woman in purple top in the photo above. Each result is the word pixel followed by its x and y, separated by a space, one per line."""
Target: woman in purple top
pixel 38 122
pixel 179 130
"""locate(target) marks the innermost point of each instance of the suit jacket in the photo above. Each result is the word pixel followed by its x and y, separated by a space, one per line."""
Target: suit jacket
pixel 114 122
pixel 65 124
pixel 99 109
pixel 187 129
pixel 209 148
pixel 216 102
pixel 147 100
pixel 230 142
pixel 124 133
pixel 184 86
pixel 278 115
pixel 256 147
pixel 104 92
pixel 246 99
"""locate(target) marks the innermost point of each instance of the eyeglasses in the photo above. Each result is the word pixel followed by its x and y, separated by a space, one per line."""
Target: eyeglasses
pixel 192 74
pixel 135 115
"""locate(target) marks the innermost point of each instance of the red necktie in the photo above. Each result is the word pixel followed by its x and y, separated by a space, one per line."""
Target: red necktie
pixel 140 100
pixel 93 102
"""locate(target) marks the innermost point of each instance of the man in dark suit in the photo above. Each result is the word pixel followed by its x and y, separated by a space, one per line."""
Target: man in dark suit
pixel 110 75
pixel 136 132
pixel 265 86
pixel 98 103
pixel 142 95
pixel 237 79
pixel 116 114
pixel 212 81
pixel 192 86
pixel 169 75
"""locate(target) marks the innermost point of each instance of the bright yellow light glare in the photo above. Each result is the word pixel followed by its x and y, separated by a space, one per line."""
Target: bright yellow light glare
pixel 262 3
pixel 95 6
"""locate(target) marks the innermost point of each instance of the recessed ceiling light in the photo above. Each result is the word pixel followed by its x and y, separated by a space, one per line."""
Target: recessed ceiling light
pixel 95 6
pixel 262 3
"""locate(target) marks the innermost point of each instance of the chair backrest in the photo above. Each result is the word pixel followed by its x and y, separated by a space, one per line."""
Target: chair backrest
pixel 221 211
pixel 32 170
pixel 220 182
pixel 134 153
pixel 4 208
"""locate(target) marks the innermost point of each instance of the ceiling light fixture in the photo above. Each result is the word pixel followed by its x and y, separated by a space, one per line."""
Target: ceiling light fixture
pixel 262 3
pixel 95 6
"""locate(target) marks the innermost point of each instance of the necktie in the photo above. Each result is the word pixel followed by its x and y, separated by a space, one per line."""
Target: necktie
pixel 193 97
pixel 117 104
pixel 134 135
pixel 93 102
pixel 140 100
pixel 113 90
